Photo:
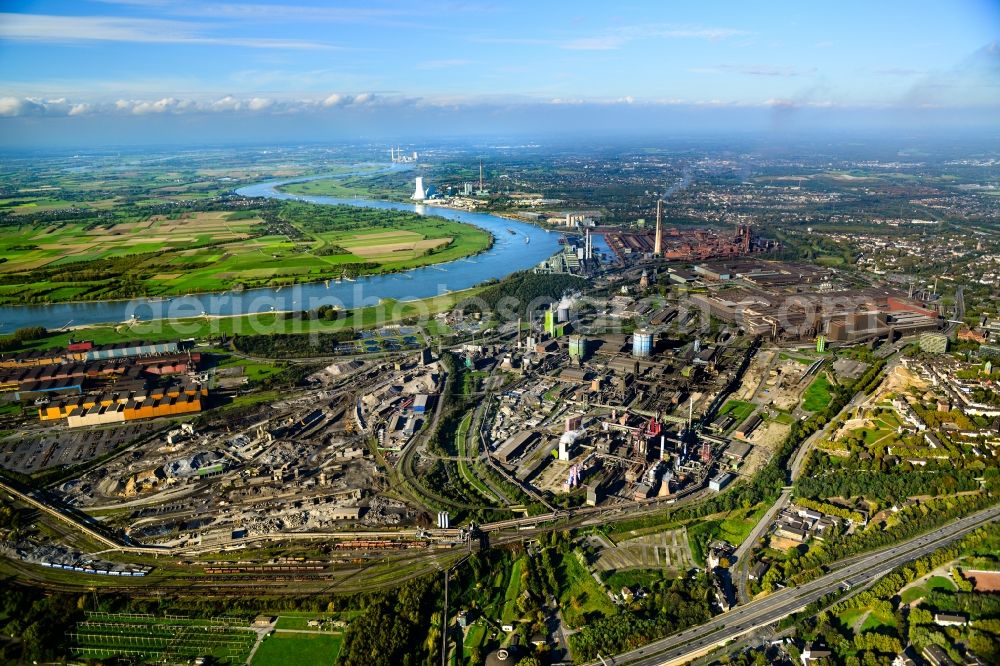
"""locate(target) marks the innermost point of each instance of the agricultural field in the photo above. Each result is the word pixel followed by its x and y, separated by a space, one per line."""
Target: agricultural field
pixel 215 251
pixel 302 649
pixel 396 185
pixel 35 246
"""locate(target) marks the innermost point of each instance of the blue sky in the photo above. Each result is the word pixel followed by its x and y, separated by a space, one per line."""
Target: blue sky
pixel 100 66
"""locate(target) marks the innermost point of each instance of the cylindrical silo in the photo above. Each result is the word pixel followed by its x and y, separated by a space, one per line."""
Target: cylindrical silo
pixel 642 343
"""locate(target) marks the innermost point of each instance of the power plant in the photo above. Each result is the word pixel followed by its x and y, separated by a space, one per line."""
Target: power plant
pixel 419 193
pixel 397 156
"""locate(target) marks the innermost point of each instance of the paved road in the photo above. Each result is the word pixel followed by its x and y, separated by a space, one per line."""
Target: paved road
pixel 772 608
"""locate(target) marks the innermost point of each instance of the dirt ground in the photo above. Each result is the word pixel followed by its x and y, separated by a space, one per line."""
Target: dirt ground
pixel 900 380
pixel 753 375
pixel 984 581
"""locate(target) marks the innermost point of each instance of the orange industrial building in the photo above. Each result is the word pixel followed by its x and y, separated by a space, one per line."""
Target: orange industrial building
pixel 683 245
pixel 112 407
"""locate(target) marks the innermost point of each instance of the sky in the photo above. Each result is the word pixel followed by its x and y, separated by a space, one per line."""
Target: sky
pixel 187 71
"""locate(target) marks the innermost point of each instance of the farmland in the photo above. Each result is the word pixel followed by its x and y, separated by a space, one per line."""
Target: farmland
pixel 205 251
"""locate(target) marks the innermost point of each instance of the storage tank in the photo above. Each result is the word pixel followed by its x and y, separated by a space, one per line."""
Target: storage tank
pixel 577 347
pixel 562 312
pixel 642 343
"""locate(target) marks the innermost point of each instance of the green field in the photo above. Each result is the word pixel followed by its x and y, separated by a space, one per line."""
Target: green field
pixel 818 395
pixel 378 187
pixel 877 620
pixel 285 649
pixel 215 251
pixel 510 611
pixel 739 409
pixel 581 594
pixel 733 527
pixel 474 637
pixel 911 594
pixel 633 577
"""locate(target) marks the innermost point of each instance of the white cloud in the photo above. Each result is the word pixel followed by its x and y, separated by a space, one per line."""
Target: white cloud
pixel 51 28
pixel 227 103
pixel 351 103
pixel 159 106
pixel 336 99
pixel 10 106
pixel 259 103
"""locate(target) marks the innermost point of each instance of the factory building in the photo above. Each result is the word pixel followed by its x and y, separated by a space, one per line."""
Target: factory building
pixel 421 403
pixel 720 482
pixel 112 407
pixel 127 350
pixel 515 446
pixel 550 322
pixel 747 427
pixel 737 451
pixel 73 377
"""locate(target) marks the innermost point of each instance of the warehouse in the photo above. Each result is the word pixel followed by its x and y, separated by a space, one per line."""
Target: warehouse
pixel 125 405
pixel 128 349
pixel 421 403
pixel 515 446
pixel 737 451
pixel 747 427
pixel 720 482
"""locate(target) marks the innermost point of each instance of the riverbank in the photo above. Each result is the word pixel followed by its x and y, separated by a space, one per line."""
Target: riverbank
pixel 385 313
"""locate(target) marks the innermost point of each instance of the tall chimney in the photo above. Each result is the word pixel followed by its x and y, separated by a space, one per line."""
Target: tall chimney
pixel 658 244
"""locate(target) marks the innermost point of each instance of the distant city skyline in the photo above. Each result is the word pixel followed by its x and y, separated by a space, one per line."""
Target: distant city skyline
pixel 185 70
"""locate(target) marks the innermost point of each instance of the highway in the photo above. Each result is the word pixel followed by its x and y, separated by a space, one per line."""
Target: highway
pixel 756 614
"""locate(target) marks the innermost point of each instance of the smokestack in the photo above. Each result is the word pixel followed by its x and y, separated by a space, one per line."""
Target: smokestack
pixel 480 175
pixel 658 244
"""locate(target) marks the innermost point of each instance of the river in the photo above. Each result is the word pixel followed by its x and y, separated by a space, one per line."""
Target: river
pixel 509 253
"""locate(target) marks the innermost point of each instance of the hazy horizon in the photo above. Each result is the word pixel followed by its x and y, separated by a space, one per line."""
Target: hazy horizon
pixel 137 72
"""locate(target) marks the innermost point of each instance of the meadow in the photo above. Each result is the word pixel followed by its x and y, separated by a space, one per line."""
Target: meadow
pixel 301 649
pixel 216 251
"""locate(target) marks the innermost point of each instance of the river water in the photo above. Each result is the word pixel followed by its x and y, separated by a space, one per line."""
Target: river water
pixel 509 253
